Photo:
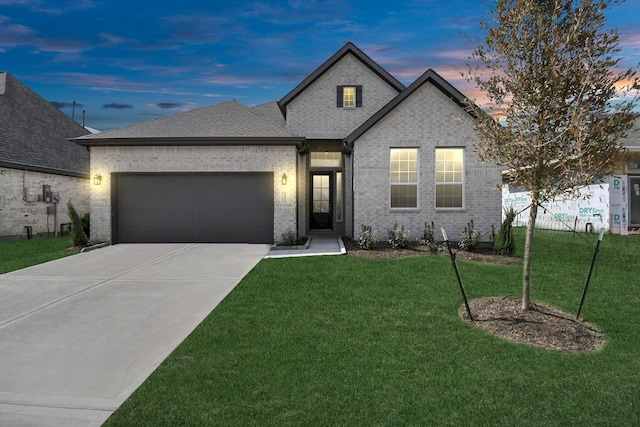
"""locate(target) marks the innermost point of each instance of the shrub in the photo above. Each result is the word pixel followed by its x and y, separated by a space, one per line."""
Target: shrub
pixel 503 243
pixel 86 224
pixel 289 238
pixel 78 236
pixel 470 238
pixel 399 238
pixel 368 239
pixel 429 240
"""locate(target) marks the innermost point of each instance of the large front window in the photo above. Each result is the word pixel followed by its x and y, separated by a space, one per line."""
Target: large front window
pixel 404 177
pixel 449 177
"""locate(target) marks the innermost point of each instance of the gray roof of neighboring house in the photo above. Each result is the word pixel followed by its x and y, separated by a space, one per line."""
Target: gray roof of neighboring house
pixel 226 123
pixel 346 49
pixel 429 76
pixel 34 134
pixel 633 137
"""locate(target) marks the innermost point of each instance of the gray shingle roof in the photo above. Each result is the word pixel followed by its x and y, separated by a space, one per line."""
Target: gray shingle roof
pixel 229 122
pixel 34 134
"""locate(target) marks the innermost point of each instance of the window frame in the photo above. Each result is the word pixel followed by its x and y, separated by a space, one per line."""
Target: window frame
pixel 415 183
pixel 461 183
pixel 357 94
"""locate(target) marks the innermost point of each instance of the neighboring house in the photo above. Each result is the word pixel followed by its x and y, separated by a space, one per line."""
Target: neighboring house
pixel 349 146
pixel 613 204
pixel 40 170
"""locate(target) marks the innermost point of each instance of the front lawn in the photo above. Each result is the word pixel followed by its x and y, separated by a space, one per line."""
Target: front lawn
pixel 18 254
pixel 362 342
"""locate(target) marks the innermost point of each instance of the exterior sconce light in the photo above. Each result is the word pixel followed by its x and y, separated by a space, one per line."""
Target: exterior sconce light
pixel 284 179
pixel 97 179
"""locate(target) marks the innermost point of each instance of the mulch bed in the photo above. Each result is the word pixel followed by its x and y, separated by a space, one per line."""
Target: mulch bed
pixel 384 250
pixel 542 326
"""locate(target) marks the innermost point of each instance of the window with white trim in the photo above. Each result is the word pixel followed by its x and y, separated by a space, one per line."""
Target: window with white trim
pixel 349 97
pixel 449 178
pixel 404 178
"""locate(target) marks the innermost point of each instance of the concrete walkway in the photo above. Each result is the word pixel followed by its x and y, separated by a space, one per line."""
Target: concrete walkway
pixel 321 244
pixel 80 334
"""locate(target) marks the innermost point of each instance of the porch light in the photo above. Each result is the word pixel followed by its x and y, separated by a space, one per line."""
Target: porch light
pixel 284 179
pixel 97 179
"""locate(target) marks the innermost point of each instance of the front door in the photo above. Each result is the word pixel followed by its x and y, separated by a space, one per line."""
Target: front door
pixel 322 201
pixel 634 201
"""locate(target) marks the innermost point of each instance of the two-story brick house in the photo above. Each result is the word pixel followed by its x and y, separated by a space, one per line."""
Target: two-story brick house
pixel 350 145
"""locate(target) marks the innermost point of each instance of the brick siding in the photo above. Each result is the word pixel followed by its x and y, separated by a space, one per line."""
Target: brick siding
pixel 16 213
pixel 426 120
pixel 276 159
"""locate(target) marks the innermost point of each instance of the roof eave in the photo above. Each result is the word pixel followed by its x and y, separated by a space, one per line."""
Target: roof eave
pixel 185 141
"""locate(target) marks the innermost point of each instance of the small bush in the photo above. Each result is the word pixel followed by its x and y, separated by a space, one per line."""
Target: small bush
pixel 470 238
pixel 399 238
pixel 289 238
pixel 368 239
pixel 78 236
pixel 503 243
pixel 86 224
pixel 428 239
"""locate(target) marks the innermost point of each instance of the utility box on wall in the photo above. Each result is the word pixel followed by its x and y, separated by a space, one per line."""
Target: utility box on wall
pixel 47 196
pixel 30 195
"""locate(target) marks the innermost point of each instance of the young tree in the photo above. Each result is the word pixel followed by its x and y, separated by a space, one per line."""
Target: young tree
pixel 549 67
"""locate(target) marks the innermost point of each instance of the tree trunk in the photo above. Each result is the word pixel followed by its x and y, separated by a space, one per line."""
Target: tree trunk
pixel 528 245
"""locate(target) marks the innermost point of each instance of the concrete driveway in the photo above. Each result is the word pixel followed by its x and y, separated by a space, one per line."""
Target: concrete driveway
pixel 80 334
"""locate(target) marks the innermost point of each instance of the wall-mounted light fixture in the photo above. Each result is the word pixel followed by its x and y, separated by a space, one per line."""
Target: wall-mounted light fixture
pixel 97 179
pixel 284 179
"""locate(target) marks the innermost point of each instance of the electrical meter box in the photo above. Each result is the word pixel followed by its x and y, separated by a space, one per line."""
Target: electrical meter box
pixel 47 196
pixel 30 195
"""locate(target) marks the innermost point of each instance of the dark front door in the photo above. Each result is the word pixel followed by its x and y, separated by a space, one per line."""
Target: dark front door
pixel 634 201
pixel 322 201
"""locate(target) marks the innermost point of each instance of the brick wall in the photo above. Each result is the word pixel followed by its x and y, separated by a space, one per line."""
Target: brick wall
pixel 426 120
pixel 314 113
pixel 15 213
pixel 276 159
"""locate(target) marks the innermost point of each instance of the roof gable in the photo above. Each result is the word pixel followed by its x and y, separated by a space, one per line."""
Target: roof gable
pixel 346 49
pixel 226 122
pixel 429 76
pixel 34 134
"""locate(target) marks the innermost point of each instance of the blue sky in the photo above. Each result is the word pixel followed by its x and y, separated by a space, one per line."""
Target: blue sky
pixel 126 62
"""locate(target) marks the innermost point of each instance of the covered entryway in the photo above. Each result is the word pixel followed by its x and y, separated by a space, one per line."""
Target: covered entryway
pixel 192 207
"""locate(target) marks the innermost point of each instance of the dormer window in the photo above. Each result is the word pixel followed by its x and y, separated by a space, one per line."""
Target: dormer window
pixel 349 96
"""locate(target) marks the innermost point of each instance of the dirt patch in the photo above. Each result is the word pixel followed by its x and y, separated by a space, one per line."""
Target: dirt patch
pixel 384 250
pixel 543 326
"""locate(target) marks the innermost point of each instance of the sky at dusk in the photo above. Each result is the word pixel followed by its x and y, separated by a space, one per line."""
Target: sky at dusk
pixel 127 62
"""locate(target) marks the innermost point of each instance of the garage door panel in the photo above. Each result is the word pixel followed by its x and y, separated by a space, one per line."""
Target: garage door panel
pixel 181 208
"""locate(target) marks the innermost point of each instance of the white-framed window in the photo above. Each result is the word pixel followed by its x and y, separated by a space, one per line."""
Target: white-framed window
pixel 404 178
pixel 450 178
pixel 349 97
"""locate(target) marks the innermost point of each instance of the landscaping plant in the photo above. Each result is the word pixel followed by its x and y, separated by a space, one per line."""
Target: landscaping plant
pixel 78 236
pixel 399 237
pixel 470 238
pixel 560 99
pixel 503 243
pixel 429 240
pixel 368 238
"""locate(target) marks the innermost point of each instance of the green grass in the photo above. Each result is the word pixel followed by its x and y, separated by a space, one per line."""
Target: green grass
pixel 341 341
pixel 19 254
